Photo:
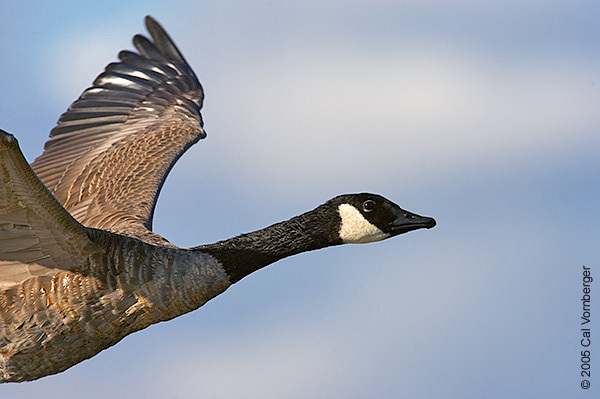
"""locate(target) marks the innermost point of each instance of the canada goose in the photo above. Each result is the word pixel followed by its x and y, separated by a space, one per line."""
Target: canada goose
pixel 80 268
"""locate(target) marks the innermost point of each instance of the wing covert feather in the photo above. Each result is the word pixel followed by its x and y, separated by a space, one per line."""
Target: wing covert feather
pixel 108 156
pixel 37 235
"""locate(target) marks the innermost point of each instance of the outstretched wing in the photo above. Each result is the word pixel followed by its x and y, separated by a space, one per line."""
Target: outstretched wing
pixel 37 235
pixel 108 156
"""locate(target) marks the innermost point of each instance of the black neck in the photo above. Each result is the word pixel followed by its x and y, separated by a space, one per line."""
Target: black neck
pixel 249 252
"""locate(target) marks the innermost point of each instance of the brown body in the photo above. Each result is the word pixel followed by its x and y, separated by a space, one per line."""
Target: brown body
pixel 69 292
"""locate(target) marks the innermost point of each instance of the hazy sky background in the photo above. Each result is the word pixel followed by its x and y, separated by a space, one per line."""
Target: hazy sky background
pixel 484 115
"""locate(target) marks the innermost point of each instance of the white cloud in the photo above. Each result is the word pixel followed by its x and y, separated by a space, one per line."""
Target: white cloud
pixel 369 113
pixel 427 108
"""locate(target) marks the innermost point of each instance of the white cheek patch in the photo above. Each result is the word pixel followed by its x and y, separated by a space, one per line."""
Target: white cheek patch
pixel 355 229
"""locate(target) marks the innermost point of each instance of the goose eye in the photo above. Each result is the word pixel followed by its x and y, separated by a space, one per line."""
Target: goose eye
pixel 368 205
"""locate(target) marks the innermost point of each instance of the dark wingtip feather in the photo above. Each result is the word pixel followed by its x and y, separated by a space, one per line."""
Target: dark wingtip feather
pixel 163 41
pixel 148 49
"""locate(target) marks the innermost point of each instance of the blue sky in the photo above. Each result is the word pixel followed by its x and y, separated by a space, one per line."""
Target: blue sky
pixel 484 116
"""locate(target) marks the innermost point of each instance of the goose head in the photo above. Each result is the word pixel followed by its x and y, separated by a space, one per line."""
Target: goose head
pixel 345 219
pixel 369 217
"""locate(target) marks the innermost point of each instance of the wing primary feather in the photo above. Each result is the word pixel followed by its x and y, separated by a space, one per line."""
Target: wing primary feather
pixel 145 106
pixel 163 41
pixel 147 49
